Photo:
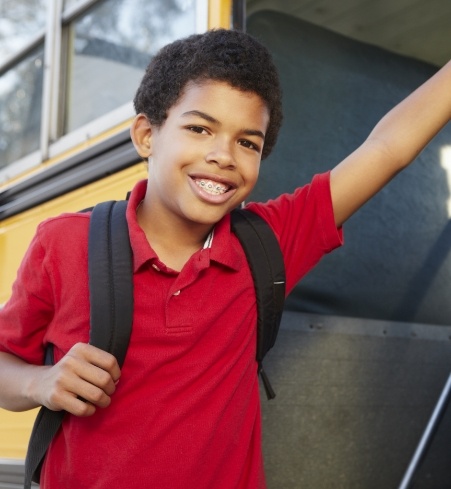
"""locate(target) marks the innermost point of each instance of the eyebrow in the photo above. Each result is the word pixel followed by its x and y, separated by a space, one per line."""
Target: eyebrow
pixel 209 118
pixel 203 115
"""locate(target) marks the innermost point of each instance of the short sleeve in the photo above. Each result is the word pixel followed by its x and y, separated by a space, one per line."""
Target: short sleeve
pixel 24 318
pixel 304 225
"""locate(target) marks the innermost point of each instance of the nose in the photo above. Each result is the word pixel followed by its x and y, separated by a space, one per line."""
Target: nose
pixel 221 154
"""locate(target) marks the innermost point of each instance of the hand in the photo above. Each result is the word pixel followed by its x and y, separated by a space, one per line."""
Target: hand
pixel 84 379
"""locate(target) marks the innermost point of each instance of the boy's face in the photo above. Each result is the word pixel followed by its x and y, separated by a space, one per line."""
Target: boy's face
pixel 205 158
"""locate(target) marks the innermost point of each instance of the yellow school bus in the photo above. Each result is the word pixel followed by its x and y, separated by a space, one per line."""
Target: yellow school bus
pixel 68 72
pixel 66 87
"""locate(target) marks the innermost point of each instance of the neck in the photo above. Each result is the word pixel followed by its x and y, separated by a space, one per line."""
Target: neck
pixel 173 241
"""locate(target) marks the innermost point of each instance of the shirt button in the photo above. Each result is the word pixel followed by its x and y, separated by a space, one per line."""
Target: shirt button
pixel 176 293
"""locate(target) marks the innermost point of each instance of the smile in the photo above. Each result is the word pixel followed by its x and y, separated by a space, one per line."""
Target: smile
pixel 211 187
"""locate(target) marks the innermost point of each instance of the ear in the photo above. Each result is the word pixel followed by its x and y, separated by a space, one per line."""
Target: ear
pixel 141 134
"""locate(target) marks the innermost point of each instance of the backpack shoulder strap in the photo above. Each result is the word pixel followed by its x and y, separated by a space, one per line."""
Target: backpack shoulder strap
pixel 46 425
pixel 268 271
pixel 110 267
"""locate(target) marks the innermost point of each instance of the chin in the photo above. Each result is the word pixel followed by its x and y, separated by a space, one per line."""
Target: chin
pixel 209 218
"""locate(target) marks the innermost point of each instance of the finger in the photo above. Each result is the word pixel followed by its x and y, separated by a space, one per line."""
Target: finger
pixel 98 378
pixel 100 358
pixel 74 377
pixel 59 399
pixel 79 407
pixel 84 380
pixel 91 393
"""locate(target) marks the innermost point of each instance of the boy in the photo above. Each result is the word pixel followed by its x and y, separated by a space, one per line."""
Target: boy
pixel 184 411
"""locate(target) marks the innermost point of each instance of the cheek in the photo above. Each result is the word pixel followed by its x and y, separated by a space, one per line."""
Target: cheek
pixel 252 173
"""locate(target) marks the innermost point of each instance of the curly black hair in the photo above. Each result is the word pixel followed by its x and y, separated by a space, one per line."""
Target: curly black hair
pixel 225 55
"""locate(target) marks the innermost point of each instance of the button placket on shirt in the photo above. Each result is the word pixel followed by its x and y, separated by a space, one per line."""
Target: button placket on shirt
pixel 179 312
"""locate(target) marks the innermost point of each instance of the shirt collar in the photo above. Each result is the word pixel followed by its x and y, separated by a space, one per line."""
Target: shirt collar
pixel 226 248
pixel 142 251
pixel 223 247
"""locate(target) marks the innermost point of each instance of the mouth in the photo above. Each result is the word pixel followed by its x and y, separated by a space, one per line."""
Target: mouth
pixel 212 187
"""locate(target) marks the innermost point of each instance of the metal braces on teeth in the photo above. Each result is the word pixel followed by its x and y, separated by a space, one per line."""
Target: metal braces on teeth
pixel 210 186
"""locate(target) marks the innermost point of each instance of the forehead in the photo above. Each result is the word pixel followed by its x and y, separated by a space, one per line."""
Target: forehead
pixel 224 103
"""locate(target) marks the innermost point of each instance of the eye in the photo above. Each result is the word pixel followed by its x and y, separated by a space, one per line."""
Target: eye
pixel 249 144
pixel 197 129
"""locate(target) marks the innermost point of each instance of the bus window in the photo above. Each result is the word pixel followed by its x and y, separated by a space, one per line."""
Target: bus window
pixel 20 23
pixel 20 108
pixel 110 47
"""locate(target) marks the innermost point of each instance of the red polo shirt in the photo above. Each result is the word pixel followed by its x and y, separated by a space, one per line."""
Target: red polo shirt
pixel 186 413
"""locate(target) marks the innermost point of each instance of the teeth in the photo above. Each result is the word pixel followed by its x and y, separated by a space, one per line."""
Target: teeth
pixel 211 187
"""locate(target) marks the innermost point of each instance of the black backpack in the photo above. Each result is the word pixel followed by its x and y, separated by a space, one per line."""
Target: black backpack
pixel 111 298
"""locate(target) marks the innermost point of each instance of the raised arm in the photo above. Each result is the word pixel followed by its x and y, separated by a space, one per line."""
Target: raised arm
pixel 394 143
